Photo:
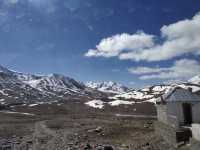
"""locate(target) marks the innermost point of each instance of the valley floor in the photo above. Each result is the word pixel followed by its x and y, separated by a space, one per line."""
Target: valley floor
pixel 75 126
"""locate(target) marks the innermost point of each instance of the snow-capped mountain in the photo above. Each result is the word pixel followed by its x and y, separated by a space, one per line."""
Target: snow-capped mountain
pixel 54 83
pixel 109 87
pixel 17 87
pixel 150 94
pixel 195 79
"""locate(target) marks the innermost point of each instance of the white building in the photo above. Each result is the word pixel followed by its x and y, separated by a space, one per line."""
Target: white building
pixel 178 113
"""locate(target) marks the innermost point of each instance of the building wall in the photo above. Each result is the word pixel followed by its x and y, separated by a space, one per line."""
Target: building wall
pixel 175 114
pixel 166 132
pixel 162 113
pixel 172 113
pixel 196 131
pixel 170 134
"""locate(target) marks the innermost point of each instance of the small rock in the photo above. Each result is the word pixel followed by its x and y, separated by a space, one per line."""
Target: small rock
pixel 88 147
pixel 70 144
pixel 146 126
pixel 125 146
pixel 108 147
pixel 97 130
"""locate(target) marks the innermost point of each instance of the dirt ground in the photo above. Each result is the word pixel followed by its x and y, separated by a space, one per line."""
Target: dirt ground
pixel 75 126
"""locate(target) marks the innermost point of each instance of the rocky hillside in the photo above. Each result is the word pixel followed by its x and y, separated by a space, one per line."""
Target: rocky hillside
pixel 17 87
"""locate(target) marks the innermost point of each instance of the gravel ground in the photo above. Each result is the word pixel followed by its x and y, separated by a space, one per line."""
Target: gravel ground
pixel 74 126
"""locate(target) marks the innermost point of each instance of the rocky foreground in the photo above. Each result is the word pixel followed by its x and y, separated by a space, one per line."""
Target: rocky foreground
pixel 76 126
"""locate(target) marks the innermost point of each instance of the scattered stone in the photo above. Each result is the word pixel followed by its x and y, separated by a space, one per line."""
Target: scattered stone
pixel 108 147
pixel 147 126
pixel 88 147
pixel 125 146
pixel 97 130
pixel 70 144
pixel 98 147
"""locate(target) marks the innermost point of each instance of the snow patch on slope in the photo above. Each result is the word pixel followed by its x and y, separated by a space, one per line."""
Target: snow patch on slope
pixel 100 104
pixel 95 104
pixel 120 102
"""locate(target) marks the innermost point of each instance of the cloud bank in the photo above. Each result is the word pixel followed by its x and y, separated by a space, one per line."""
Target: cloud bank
pixel 177 39
pixel 176 71
pixel 120 43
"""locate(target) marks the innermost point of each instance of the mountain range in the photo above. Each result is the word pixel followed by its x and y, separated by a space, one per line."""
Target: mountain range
pixel 17 88
pixel 151 93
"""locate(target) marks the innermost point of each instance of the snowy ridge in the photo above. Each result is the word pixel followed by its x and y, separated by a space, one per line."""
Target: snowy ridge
pixel 109 87
pixel 195 80
pixel 4 70
pixel 151 94
pixel 16 87
pixel 55 83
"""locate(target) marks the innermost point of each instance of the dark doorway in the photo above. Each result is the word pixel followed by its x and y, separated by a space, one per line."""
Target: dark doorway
pixel 187 112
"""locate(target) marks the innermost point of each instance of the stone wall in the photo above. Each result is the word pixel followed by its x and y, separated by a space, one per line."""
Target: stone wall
pixel 172 135
pixel 166 132
pixel 162 113
pixel 171 114
pixel 175 114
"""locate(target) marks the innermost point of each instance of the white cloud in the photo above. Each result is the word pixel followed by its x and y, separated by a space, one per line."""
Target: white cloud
pixel 172 81
pixel 113 46
pixel 182 37
pixel 145 70
pixel 181 69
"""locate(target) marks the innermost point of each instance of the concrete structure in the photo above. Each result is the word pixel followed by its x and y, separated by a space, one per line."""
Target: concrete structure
pixel 177 110
pixel 196 131
pixel 179 107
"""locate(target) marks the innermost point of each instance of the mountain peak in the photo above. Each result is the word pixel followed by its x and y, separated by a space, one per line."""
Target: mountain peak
pixel 195 79
pixel 4 69
pixel 40 85
pixel 107 86
pixel 55 75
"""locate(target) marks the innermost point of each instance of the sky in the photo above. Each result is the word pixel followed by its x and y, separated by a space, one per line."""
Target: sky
pixel 133 42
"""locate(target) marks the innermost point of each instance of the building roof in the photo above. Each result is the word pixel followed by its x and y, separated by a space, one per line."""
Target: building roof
pixel 180 95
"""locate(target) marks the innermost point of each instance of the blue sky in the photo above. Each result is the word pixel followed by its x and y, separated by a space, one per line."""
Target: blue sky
pixel 134 42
